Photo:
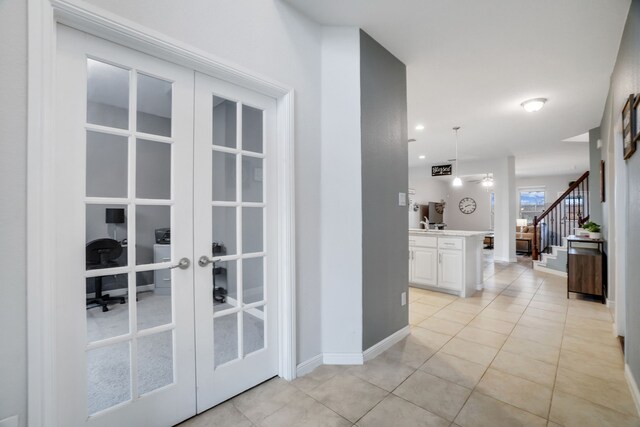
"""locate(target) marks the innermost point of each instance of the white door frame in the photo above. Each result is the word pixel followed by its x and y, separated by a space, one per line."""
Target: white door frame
pixel 43 17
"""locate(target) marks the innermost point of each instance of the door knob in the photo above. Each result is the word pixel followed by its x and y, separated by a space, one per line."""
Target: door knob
pixel 204 260
pixel 183 264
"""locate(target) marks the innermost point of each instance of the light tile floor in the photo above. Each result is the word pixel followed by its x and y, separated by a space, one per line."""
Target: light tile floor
pixel 517 354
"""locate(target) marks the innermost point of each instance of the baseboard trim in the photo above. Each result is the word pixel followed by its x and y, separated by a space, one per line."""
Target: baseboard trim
pixel 352 358
pixel 342 358
pixel 549 270
pixel 386 343
pixel 502 259
pixel 633 386
pixel 309 365
pixel 122 292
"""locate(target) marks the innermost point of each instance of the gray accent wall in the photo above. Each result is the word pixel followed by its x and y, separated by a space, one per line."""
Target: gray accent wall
pixel 624 81
pixel 385 173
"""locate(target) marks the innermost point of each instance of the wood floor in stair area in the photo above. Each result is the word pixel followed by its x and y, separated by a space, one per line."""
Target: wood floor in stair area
pixel 517 354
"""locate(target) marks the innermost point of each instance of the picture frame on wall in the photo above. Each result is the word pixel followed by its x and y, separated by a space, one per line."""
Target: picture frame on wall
pixel 602 186
pixel 629 112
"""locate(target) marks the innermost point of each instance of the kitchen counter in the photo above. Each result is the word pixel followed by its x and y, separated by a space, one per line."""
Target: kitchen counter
pixel 459 233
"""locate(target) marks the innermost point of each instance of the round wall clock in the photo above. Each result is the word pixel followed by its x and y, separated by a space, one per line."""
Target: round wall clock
pixel 467 205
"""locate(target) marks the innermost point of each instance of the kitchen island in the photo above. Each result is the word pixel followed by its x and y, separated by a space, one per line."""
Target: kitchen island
pixel 446 260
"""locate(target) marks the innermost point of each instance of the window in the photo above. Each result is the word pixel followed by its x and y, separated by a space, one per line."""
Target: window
pixel 531 204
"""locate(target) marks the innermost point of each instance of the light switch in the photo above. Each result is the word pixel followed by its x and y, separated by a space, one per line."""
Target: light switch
pixel 402 199
pixel 403 298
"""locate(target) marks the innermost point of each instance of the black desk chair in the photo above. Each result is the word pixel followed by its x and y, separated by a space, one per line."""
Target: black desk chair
pixel 102 253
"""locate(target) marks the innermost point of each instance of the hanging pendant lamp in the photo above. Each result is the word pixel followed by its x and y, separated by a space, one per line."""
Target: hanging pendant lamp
pixel 457 182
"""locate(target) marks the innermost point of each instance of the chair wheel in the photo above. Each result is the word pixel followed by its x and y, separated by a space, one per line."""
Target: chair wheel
pixel 105 308
pixel 122 301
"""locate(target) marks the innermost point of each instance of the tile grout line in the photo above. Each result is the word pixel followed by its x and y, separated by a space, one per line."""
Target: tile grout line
pixel 555 377
pixel 500 349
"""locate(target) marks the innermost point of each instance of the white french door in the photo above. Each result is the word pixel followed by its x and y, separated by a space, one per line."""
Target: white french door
pixel 235 240
pixel 151 176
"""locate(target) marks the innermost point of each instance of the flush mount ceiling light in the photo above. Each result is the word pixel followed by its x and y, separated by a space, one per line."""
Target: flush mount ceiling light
pixel 533 105
pixel 422 157
pixel 419 127
pixel 457 182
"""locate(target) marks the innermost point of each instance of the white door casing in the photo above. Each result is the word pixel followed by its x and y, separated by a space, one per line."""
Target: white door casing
pixel 44 15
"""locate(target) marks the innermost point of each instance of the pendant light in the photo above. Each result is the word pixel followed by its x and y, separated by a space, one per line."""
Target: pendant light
pixel 457 182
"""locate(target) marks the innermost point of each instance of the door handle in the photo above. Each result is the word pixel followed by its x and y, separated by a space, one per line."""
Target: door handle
pixel 204 260
pixel 183 264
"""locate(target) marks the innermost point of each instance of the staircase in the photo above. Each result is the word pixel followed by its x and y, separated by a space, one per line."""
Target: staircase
pixel 554 262
pixel 562 217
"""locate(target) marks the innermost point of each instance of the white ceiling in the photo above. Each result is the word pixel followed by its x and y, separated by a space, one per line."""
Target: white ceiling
pixel 471 63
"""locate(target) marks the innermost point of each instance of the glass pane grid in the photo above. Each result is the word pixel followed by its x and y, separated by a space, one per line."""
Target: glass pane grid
pixel 133 350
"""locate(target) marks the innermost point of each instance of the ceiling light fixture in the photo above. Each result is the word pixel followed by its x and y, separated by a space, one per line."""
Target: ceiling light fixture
pixel 422 157
pixel 419 127
pixel 533 105
pixel 487 181
pixel 457 182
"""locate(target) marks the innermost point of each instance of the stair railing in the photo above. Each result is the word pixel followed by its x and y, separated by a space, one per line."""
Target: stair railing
pixel 562 217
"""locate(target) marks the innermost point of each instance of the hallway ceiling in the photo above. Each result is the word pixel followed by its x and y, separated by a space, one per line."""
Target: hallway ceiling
pixel 472 63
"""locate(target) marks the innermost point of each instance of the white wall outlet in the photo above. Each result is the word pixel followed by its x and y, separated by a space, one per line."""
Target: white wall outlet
pixel 403 299
pixel 402 199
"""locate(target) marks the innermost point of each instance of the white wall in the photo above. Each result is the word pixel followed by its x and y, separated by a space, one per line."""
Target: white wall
pixel 480 220
pixel 427 188
pixel 503 170
pixel 13 173
pixel 341 209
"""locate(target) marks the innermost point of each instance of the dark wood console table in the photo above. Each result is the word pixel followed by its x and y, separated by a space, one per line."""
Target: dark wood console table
pixel 586 267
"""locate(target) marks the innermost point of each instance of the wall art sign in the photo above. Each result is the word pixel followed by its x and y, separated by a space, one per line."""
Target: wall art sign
pixel 441 170
pixel 629 127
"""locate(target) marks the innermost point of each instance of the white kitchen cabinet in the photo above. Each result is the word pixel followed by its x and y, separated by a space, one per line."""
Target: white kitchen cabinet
pixel 450 269
pixel 424 266
pixel 448 261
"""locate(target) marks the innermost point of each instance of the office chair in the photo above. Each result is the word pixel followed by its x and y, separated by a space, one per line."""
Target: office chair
pixel 102 253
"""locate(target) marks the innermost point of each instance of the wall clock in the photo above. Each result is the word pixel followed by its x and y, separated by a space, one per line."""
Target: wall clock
pixel 467 205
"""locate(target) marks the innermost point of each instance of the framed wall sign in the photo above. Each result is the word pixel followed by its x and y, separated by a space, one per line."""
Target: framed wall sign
pixel 629 126
pixel 602 187
pixel 440 170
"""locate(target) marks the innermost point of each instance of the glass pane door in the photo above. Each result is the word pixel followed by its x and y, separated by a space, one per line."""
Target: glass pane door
pixel 235 301
pixel 125 138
